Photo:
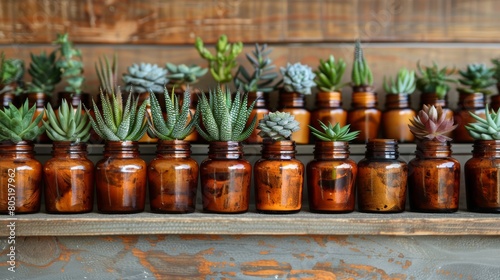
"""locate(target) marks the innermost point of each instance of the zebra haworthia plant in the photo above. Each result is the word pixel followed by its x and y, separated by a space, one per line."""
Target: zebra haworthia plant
pixel 223 117
pixel 277 126
pixel 487 128
pixel 176 125
pixel 334 132
pixel 17 124
pixel 119 123
pixel 68 124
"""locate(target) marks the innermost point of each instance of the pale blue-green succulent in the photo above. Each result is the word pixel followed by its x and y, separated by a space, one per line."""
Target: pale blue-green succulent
pixel 144 77
pixel 298 78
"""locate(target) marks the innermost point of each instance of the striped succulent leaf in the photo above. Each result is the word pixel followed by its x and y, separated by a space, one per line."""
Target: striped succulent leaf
pixel 17 124
pixel 67 124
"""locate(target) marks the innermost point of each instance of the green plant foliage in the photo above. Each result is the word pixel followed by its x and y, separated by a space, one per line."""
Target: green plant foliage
pixel 184 75
pixel 144 77
pixel 11 71
pixel 361 73
pixel 17 124
pixel 403 83
pixel 45 73
pixel 477 78
pixel 67 124
pixel 431 124
pixel 334 133
pixel 278 126
pixel 432 79
pixel 262 76
pixel 329 74
pixel 107 74
pixel 487 128
pixel 298 78
pixel 70 64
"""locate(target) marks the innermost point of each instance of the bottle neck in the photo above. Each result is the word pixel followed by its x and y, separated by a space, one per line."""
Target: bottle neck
pixel 23 149
pixel 225 150
pixel 69 149
pixel 331 99
pixel 121 149
pixel 259 98
pixel 433 149
pixel 173 149
pixel 364 99
pixel 397 101
pixel 39 99
pixel 486 148
pixel 278 149
pixel 471 100
pixel 331 150
pixel 382 149
pixel 291 100
pixel 432 99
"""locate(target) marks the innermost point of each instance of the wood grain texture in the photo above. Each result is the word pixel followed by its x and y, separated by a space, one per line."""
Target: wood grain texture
pixel 179 22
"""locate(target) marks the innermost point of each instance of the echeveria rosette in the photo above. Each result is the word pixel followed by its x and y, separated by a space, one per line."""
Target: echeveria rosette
pixel 144 77
pixel 432 124
pixel 277 126
pixel 298 78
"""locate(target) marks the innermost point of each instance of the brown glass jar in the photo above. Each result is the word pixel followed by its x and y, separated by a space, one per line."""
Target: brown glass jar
pixel 225 179
pixel 328 109
pixel 69 179
pixel 482 173
pixel 381 180
pixel 259 110
pixel 433 99
pixel 468 102
pixel 433 178
pixel 121 178
pixel 40 100
pixel 8 96
pixel 173 178
pixel 495 102
pixel 74 99
pixel 331 178
pixel 396 118
pixel 278 179
pixel 364 115
pixel 20 178
pixel 294 103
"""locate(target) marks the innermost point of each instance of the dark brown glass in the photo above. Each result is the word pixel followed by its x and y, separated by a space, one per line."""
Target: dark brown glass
pixel 294 103
pixel 278 179
pixel 468 102
pixel 331 178
pixel 433 99
pixel 381 180
pixel 121 179
pixel 40 100
pixel 173 178
pixel 396 118
pixel 259 110
pixel 69 179
pixel 482 173
pixel 364 115
pixel 495 102
pixel 225 179
pixel 328 109
pixel 8 96
pixel 21 174
pixel 74 99
pixel 434 178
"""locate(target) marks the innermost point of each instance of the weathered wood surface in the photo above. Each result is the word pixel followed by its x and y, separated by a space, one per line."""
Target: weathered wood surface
pixel 253 257
pixel 179 22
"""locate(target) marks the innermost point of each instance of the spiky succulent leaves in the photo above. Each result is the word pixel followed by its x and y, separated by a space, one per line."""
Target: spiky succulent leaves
pixel 277 126
pixel 329 74
pixel 431 123
pixel 118 123
pixel 17 124
pixel 263 75
pixel 107 74
pixel 403 83
pixel 68 125
pixel 145 76
pixel 432 79
pixel 487 128
pixel 225 118
pixel 334 132
pixel 44 72
pixel 361 73
pixel 477 78
pixel 70 64
pixel 298 78
pixel 176 125
pixel 224 60
pixel 183 74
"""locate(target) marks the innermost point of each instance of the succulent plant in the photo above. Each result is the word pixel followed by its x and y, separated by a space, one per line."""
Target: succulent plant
pixel 329 74
pixel 334 132
pixel 17 124
pixel 45 73
pixel 176 125
pixel 431 123
pixel 277 126
pixel 298 78
pixel 11 71
pixel 487 128
pixel 184 75
pixel 432 79
pixel 68 124
pixel 262 77
pixel 477 78
pixel 145 76
pixel 118 123
pixel 107 74
pixel 496 68
pixel 361 73
pixel 70 64
pixel 224 118
pixel 223 61
pixel 404 83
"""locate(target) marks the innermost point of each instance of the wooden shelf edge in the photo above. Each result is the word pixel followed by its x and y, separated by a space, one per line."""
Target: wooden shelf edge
pixel 303 223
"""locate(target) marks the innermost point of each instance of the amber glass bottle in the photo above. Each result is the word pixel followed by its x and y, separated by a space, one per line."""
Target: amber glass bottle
pixel 396 118
pixel 330 178
pixel 69 179
pixel 381 180
pixel 20 178
pixel 225 179
pixel 468 102
pixel 278 178
pixel 121 178
pixel 40 100
pixel 7 96
pixel 433 99
pixel 433 178
pixel 173 178
pixel 482 173
pixel 259 110
pixel 328 109
pixel 294 103
pixel 364 115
